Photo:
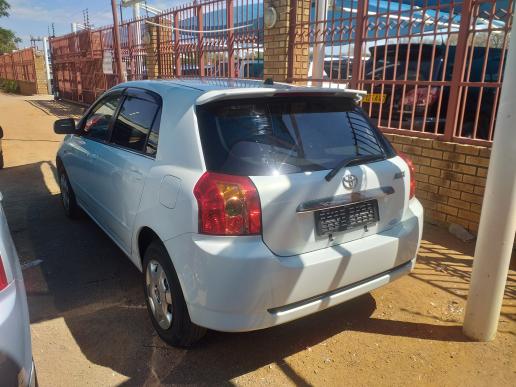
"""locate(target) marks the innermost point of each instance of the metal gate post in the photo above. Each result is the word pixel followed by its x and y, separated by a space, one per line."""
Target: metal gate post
pixel 158 49
pixel 177 57
pixel 360 32
pixel 200 42
pixel 231 38
pixel 458 71
pixel 116 43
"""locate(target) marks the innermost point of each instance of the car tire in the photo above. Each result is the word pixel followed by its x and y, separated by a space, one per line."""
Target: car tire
pixel 165 301
pixel 68 200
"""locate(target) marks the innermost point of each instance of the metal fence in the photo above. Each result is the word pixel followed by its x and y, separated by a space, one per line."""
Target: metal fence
pixel 18 65
pixel 214 38
pixel 432 68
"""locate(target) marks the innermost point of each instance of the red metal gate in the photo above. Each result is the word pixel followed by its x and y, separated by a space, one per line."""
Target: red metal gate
pixel 213 38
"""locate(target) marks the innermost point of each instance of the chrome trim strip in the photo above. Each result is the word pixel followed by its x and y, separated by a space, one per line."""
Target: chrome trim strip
pixel 342 200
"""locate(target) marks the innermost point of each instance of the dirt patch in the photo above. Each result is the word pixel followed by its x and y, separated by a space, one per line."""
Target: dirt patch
pixel 90 326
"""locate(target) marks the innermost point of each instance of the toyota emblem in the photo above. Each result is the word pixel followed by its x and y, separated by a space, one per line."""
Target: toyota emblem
pixel 349 181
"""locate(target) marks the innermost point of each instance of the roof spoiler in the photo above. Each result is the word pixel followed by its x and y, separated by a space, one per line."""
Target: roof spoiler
pixel 224 94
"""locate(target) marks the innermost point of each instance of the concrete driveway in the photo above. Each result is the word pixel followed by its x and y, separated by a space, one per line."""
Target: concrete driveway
pixel 90 327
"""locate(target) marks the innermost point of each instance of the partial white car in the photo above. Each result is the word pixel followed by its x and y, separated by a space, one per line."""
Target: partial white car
pixel 244 204
pixel 16 365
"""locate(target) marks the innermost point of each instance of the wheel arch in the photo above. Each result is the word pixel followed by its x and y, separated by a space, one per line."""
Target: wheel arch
pixel 145 237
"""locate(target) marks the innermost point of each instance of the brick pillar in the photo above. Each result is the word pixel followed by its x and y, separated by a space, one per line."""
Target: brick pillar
pixel 151 48
pixel 278 41
pixel 41 73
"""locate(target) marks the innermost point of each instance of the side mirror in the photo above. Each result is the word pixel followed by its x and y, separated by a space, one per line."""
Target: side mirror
pixel 65 126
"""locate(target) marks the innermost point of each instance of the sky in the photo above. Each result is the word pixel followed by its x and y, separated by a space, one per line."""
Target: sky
pixel 33 17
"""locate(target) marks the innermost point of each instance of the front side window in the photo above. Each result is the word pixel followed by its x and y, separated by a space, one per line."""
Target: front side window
pixel 136 119
pixel 98 121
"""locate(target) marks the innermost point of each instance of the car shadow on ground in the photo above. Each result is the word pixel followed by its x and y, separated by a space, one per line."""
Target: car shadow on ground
pixel 59 109
pixel 86 280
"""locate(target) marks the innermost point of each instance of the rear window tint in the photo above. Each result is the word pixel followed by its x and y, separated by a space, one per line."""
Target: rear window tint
pixel 270 136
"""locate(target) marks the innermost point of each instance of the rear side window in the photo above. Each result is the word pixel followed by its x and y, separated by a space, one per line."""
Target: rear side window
pixel 280 136
pixel 137 119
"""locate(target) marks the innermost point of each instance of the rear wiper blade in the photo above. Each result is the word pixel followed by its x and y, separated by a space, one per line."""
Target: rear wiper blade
pixel 350 161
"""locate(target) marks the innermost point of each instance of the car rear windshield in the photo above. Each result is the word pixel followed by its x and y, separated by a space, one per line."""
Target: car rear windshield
pixel 276 135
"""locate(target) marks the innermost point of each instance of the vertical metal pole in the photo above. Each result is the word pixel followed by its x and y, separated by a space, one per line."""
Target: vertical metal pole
pixel 231 38
pixel 360 24
pixel 136 16
pixel 200 42
pixel 47 64
pixel 158 48
pixel 177 57
pixel 116 43
pixel 498 220
pixel 318 53
pixel 458 71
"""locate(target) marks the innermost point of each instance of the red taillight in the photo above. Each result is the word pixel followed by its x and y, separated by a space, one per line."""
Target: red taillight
pixel 3 277
pixel 423 96
pixel 228 205
pixel 412 174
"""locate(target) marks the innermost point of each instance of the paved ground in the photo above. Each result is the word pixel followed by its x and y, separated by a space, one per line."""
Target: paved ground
pixel 90 327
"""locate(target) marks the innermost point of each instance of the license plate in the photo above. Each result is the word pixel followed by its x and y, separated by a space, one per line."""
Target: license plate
pixel 375 98
pixel 346 217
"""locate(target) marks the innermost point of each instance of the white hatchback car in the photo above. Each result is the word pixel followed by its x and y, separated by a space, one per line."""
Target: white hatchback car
pixel 245 205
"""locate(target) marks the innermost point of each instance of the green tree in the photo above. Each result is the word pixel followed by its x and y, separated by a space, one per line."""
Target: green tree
pixel 8 39
pixel 4 8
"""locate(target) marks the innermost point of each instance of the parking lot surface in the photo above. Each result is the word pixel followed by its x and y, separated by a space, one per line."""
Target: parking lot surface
pixel 90 326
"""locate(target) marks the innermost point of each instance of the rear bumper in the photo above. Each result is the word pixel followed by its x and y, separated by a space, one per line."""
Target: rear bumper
pixel 238 284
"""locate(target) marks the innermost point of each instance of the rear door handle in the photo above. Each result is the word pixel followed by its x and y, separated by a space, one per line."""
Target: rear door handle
pixel 94 156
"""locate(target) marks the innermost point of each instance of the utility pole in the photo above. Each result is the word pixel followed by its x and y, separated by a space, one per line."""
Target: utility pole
pixel 498 219
pixel 116 43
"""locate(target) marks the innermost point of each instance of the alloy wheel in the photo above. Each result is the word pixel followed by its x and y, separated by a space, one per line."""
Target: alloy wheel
pixel 158 294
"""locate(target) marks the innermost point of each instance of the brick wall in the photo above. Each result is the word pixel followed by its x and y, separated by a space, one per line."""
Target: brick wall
pixel 450 178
